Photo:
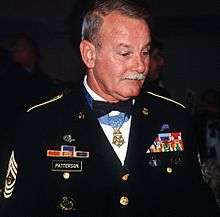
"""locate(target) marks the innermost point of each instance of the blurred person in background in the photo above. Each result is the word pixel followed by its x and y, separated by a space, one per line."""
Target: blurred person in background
pixel 207 125
pixel 207 138
pixel 23 83
pixel 154 80
pixel 211 173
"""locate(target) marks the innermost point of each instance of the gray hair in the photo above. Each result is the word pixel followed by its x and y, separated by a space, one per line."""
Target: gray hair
pixel 93 19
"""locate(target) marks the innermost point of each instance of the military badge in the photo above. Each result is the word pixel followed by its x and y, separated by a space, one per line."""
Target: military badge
pixel 167 142
pixel 68 138
pixel 11 175
pixel 68 151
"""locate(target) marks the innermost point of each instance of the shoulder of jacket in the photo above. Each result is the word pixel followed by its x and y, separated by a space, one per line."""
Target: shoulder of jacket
pixel 165 98
pixel 54 99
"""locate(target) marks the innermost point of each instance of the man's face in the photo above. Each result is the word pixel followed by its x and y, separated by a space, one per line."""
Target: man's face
pixel 122 60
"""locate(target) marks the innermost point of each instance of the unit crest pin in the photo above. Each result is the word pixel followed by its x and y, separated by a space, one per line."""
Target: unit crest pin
pixel 68 138
pixel 145 111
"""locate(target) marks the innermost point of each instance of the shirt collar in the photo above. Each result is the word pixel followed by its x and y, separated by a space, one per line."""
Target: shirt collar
pixel 94 95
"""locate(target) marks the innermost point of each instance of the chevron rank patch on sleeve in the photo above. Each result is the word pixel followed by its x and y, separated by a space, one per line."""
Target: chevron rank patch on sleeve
pixel 11 175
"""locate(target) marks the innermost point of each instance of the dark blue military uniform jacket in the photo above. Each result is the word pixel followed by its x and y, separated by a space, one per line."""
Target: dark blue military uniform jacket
pixel 63 164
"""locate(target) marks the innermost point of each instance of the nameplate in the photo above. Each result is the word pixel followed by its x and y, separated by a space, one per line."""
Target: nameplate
pixel 66 166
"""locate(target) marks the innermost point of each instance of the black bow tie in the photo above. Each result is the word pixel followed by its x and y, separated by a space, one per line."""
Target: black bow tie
pixel 103 108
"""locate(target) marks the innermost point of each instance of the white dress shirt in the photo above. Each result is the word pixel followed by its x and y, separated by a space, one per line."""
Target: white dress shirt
pixel 108 130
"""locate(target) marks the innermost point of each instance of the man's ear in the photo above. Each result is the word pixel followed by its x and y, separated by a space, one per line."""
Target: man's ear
pixel 88 53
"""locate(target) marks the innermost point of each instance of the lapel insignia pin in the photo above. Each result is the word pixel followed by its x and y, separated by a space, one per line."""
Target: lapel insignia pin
pixel 81 115
pixel 68 138
pixel 145 111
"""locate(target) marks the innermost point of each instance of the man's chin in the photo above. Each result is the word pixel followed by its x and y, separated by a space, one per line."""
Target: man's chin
pixel 133 93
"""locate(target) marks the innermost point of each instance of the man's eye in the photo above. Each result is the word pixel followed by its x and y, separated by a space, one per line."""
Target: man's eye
pixel 125 54
pixel 145 53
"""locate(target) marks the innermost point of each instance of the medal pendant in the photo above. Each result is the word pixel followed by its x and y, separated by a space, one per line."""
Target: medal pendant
pixel 118 139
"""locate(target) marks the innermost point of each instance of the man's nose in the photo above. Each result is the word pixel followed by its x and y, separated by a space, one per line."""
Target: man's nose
pixel 139 64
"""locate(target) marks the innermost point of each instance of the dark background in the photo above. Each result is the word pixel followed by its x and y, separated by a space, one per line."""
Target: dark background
pixel 190 31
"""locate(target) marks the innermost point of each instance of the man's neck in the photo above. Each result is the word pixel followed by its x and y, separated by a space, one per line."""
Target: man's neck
pixel 94 95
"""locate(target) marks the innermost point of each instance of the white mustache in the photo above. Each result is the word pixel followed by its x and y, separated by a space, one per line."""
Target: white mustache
pixel 134 76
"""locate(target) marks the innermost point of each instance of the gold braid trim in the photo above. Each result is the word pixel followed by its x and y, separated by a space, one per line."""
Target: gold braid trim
pixel 46 102
pixel 168 99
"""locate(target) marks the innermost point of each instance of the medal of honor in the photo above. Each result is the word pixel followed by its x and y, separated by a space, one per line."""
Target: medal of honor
pixel 118 139
pixel 116 122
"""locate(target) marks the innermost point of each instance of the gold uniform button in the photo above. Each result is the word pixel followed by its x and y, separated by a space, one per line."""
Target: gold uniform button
pixel 124 201
pixel 169 170
pixel 125 177
pixel 66 175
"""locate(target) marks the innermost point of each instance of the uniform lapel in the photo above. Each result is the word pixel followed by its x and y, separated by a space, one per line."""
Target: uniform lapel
pixel 144 128
pixel 89 133
pixel 90 136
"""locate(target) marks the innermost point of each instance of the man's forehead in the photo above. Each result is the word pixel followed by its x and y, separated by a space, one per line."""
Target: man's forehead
pixel 118 17
pixel 122 29
pixel 116 23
